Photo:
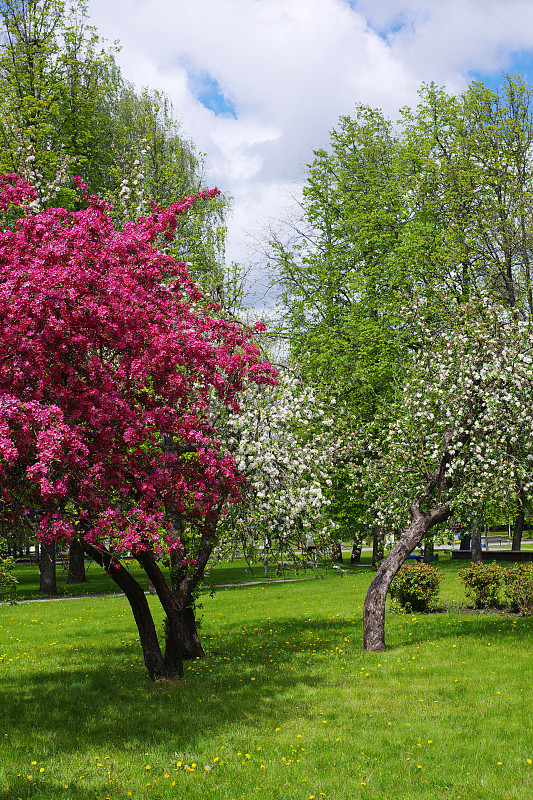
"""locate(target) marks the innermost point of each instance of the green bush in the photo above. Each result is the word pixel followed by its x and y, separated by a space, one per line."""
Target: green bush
pixel 416 586
pixel 8 582
pixel 483 582
pixel 518 588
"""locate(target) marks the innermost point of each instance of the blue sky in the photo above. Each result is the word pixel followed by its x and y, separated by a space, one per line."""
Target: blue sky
pixel 520 63
pixel 259 84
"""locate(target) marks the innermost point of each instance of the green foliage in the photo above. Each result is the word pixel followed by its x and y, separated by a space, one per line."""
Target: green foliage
pixel 440 202
pixel 8 582
pixel 416 586
pixel 518 588
pixel 483 582
pixel 57 87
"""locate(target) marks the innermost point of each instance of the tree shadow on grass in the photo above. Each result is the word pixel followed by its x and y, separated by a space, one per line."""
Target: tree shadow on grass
pixel 253 677
pixel 47 790
pixel 91 702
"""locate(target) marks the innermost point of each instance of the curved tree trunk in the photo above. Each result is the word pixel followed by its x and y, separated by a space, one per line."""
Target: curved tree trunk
pixel 374 608
pixel 153 657
pixel 181 636
pixel 422 521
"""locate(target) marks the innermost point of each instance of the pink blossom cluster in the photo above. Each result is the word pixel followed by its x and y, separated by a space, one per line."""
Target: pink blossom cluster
pixel 109 367
pixel 14 189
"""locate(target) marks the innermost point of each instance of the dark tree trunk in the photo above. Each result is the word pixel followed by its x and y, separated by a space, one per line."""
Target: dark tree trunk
pixel 429 548
pixel 518 529
pixel 192 647
pixel 153 657
pixel 377 546
pixel 337 552
pixel 76 563
pixel 47 569
pixel 465 541
pixel 422 521
pixel 181 640
pixel 475 542
pixel 181 636
pixel 357 549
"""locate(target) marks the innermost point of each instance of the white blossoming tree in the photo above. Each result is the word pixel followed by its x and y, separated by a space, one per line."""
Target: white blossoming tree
pixel 284 442
pixel 461 436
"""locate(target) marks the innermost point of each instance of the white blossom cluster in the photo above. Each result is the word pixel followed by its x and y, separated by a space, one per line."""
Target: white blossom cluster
pixel 283 442
pixel 47 190
pixel 131 199
pixel 472 385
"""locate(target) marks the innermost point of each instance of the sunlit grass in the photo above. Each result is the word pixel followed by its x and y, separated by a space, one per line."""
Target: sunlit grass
pixel 286 704
pixel 98 582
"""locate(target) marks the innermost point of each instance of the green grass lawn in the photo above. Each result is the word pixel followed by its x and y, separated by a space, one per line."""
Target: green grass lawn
pixel 286 704
pixel 98 582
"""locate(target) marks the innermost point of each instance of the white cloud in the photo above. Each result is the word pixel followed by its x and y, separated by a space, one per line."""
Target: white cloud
pixel 290 68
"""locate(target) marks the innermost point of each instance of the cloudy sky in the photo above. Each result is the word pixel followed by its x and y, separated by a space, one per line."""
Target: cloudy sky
pixel 258 84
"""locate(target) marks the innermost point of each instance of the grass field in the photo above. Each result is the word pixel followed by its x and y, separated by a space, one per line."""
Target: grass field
pixel 98 582
pixel 286 704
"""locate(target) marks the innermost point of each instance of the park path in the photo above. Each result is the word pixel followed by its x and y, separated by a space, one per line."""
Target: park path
pixel 121 594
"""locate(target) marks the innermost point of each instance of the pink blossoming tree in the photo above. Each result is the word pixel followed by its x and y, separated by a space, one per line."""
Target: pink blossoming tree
pixel 112 377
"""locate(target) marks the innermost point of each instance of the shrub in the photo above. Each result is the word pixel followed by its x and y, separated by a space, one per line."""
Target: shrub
pixel 416 586
pixel 8 582
pixel 483 583
pixel 518 588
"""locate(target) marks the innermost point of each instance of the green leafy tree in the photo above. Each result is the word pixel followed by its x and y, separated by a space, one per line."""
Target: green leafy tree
pixel 437 206
pixel 57 86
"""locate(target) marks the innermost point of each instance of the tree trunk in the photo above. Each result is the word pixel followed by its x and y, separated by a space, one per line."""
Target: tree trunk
pixel 475 542
pixel 182 642
pixel 518 529
pixel 47 569
pixel 357 549
pixel 429 548
pixel 374 607
pixel 465 541
pixel 422 521
pixel 337 552
pixel 76 563
pixel 153 657
pixel 377 546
